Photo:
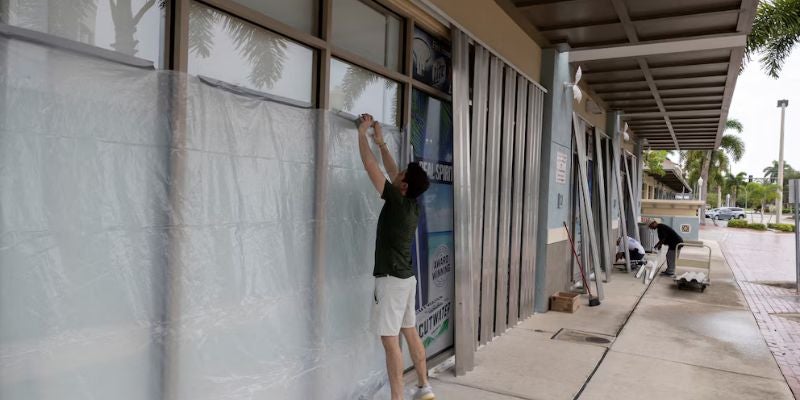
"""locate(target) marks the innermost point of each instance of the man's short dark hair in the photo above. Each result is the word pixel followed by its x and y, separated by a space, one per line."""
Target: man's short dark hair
pixel 417 180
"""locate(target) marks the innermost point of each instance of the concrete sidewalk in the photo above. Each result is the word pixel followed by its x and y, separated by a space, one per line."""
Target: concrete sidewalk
pixel 663 343
pixel 764 266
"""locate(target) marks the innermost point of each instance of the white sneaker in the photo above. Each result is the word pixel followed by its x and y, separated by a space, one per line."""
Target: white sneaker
pixel 424 393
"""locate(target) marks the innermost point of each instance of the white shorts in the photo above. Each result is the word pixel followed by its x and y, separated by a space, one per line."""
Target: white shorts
pixel 393 305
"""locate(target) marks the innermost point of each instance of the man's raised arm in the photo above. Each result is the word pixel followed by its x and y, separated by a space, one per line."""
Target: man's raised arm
pixel 367 158
pixel 388 161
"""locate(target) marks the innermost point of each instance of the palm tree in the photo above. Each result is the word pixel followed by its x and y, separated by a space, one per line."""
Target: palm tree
pixel 733 183
pixel 125 22
pixel 356 80
pixel 265 52
pixel 776 31
pixel 705 163
pixel 771 172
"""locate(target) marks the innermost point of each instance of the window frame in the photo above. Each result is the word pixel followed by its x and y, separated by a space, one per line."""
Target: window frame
pixel 176 39
pixel 312 103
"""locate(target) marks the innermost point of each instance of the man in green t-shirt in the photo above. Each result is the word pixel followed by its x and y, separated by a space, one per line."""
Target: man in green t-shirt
pixel 395 285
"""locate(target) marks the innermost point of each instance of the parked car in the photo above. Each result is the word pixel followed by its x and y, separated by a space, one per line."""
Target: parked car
pixel 728 213
pixel 712 213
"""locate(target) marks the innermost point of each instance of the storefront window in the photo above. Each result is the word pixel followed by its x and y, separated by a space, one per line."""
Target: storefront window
pixel 299 14
pixel 367 30
pixel 239 53
pixel 132 27
pixel 433 254
pixel 355 91
pixel 431 61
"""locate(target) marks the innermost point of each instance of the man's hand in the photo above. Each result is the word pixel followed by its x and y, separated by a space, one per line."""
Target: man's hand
pixel 365 121
pixel 378 138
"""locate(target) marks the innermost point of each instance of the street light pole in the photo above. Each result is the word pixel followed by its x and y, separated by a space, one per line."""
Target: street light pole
pixel 779 213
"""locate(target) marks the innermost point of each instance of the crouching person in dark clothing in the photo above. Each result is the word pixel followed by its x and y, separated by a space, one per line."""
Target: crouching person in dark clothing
pixel 668 236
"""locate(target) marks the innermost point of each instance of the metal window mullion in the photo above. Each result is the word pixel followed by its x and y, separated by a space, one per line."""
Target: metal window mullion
pixel 516 202
pixel 406 58
pixel 319 302
pixel 464 316
pixel 489 260
pixel 534 203
pixel 480 88
pixel 504 222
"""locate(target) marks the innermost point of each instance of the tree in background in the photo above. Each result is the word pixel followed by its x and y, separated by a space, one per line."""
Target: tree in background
pixel 712 163
pixel 759 195
pixel 654 160
pixel 733 183
pixel 771 172
pixel 776 31
pixel 789 173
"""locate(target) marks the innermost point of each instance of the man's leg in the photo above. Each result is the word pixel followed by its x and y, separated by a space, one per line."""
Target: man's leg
pixel 417 351
pixel 394 365
pixel 670 261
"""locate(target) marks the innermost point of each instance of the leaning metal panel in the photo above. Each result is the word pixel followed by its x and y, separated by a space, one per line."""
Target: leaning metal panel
pixel 489 259
pixel 504 221
pixel 615 156
pixel 516 202
pixel 601 181
pixel 585 196
pixel 480 87
pixel 465 332
pixel 631 198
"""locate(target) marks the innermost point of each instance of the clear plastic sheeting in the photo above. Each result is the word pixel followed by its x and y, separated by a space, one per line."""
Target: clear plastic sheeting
pixel 162 238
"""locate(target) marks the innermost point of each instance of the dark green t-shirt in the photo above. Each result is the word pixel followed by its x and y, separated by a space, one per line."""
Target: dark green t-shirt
pixel 396 226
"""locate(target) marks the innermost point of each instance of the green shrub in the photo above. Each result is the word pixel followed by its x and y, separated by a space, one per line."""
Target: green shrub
pixel 737 223
pixel 758 227
pixel 782 227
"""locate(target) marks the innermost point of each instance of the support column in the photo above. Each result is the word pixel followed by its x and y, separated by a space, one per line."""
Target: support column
pixel 552 248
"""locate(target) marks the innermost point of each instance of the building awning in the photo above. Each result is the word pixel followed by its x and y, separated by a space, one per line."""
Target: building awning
pixel 672 178
pixel 669 66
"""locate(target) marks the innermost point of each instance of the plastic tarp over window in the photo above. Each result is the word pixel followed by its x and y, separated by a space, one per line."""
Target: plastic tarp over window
pixel 162 238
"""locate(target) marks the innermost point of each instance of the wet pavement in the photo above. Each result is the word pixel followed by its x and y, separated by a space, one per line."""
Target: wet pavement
pixel 659 343
pixel 763 264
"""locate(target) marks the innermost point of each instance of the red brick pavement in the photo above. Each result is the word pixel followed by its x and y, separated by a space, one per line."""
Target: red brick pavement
pixel 753 265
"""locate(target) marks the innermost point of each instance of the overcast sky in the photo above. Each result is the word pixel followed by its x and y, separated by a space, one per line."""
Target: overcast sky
pixel 755 105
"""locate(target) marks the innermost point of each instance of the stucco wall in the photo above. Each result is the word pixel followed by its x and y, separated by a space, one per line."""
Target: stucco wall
pixel 491 25
pixel 558 279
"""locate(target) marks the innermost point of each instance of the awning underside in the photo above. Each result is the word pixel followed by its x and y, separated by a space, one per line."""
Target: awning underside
pixel 669 66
